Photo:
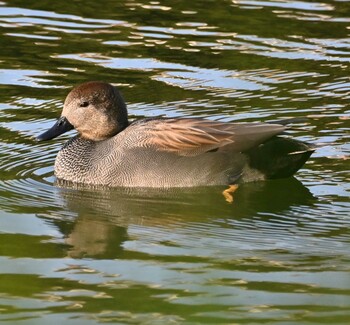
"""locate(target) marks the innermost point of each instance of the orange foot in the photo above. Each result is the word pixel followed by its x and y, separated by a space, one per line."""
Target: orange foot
pixel 228 193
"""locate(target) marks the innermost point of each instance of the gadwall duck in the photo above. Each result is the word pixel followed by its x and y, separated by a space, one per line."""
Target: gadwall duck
pixel 165 152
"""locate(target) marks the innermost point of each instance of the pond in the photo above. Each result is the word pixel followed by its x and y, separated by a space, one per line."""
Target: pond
pixel 278 254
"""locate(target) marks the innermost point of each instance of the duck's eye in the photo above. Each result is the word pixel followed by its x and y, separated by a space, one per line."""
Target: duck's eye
pixel 84 104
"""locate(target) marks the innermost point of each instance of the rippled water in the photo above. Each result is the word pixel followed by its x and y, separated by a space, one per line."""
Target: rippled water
pixel 278 255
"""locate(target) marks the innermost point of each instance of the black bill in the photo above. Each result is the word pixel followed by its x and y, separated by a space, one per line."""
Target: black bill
pixel 61 126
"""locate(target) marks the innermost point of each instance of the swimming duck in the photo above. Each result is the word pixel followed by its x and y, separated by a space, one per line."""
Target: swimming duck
pixel 165 152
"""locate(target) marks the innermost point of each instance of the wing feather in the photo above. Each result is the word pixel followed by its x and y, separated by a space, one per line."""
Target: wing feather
pixel 191 137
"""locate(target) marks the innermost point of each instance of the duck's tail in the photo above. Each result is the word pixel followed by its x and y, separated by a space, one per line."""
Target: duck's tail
pixel 279 157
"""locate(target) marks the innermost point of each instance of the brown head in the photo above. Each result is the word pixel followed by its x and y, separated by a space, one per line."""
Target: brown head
pixel 95 109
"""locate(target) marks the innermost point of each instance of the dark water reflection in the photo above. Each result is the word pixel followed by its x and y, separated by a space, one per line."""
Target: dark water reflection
pixel 172 209
pixel 278 254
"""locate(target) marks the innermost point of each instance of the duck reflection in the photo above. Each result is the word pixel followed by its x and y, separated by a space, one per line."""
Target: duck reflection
pixel 103 215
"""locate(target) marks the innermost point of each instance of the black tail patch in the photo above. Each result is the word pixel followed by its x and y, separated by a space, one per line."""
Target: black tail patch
pixel 279 157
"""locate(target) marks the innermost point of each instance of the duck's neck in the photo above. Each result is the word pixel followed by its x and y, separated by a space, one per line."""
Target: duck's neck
pixel 122 125
pixel 73 161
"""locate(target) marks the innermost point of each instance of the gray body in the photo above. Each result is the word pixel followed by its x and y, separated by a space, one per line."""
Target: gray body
pixel 121 161
pixel 84 161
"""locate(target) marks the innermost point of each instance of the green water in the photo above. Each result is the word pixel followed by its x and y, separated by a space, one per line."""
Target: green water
pixel 279 254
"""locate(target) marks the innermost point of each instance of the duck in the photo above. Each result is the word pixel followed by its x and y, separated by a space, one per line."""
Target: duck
pixel 160 152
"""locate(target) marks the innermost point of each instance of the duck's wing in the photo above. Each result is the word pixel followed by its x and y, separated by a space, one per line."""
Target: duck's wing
pixel 191 137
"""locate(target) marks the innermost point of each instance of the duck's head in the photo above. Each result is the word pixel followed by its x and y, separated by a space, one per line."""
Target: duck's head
pixel 95 109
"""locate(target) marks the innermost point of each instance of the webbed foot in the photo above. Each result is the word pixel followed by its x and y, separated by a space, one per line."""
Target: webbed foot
pixel 228 193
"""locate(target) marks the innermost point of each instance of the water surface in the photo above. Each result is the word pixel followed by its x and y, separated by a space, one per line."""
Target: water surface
pixel 279 254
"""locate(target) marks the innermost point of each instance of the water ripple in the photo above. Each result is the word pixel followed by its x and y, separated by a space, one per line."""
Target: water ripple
pixel 28 78
pixel 18 17
pixel 73 251
pixel 316 6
